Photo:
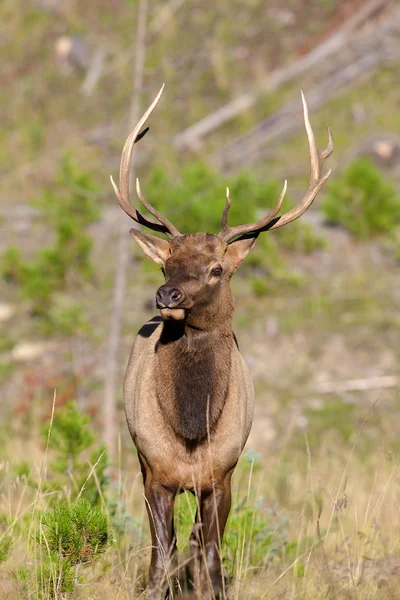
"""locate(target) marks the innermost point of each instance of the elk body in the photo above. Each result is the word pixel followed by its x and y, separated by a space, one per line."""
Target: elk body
pixel 188 394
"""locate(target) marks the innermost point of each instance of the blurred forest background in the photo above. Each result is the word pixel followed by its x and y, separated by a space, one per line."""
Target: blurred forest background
pixel 316 502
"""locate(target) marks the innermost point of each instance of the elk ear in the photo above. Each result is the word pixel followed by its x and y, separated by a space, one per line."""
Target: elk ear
pixel 154 248
pixel 238 250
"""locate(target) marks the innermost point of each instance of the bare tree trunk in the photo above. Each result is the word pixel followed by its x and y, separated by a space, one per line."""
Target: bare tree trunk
pixel 111 371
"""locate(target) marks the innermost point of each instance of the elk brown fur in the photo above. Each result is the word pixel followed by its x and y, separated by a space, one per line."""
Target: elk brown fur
pixel 189 398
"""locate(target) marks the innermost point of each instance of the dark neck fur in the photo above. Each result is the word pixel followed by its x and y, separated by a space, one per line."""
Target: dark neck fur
pixel 192 377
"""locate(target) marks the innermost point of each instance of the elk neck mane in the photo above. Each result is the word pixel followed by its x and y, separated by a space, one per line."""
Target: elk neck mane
pixel 193 371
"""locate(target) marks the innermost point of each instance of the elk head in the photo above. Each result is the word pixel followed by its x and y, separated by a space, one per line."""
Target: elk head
pixel 197 267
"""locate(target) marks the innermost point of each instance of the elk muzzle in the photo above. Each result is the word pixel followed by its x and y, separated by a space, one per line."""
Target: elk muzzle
pixel 169 299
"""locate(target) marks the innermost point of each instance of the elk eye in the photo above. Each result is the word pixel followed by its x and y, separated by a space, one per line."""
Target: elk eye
pixel 217 272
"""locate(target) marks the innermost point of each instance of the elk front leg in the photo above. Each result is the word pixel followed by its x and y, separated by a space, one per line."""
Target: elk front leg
pixel 160 509
pixel 215 507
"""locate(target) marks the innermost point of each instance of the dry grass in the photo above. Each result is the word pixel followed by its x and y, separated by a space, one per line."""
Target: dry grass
pixel 332 516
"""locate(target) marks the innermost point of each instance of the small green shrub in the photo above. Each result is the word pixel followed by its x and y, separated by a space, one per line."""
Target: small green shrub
pixel 65 317
pixel 282 278
pixel 5 547
pixel 68 206
pixel 11 265
pixel 77 532
pixel 362 200
pixel 300 237
pixel 73 444
pixel 73 535
pixel 70 433
pixel 56 578
pixel 254 535
pixel 260 286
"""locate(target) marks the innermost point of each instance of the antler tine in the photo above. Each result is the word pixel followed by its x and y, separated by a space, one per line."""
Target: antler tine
pixel 122 193
pixel 224 218
pixel 316 181
pixel 229 233
pixel 134 213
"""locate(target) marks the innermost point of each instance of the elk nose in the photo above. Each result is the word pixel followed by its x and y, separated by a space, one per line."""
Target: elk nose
pixel 168 297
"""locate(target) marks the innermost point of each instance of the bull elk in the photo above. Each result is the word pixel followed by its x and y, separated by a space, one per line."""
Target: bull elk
pixel 188 394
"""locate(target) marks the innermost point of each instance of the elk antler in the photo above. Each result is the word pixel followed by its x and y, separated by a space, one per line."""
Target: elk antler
pixel 164 226
pixel 271 221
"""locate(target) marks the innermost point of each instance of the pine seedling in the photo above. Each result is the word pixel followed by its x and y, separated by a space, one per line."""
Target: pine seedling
pixel 74 536
pixel 76 532
pixel 68 206
pixel 70 435
pixel 72 442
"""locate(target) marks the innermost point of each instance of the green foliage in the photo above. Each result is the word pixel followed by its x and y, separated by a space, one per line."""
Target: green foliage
pixel 73 535
pixel 253 535
pixel 77 532
pixel 256 533
pixel 184 517
pixel 95 486
pixel 55 578
pixel 264 286
pixel 73 444
pixel 74 531
pixel 300 237
pixel 362 200
pixel 11 265
pixel 6 365
pixel 5 547
pixel 65 317
pixel 247 533
pixel 22 575
pixel 70 432
pixel 68 207
pixel 260 286
pixel 72 197
pixel 6 368
pixel 195 203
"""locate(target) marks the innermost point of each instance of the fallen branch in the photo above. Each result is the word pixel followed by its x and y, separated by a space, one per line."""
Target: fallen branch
pixel 280 126
pixel 358 385
pixel 284 123
pixel 190 136
pixel 94 71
